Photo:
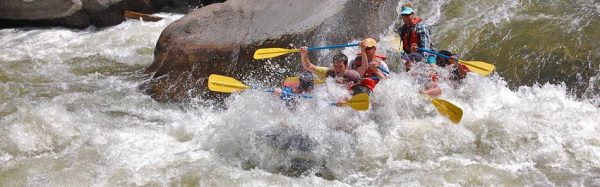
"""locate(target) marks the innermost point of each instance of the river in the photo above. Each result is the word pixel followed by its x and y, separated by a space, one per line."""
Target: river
pixel 71 114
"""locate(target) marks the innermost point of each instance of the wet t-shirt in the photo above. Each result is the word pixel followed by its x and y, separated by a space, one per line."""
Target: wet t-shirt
pixel 346 77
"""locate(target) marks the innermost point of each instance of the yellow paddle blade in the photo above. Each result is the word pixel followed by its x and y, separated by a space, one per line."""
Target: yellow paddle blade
pixel 291 80
pixel 359 102
pixel 294 80
pixel 272 52
pixel 448 109
pixel 220 83
pixel 479 67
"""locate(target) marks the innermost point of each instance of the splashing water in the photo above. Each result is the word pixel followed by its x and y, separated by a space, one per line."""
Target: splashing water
pixel 71 114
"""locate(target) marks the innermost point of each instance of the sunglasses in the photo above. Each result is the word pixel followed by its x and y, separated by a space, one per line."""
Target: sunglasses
pixel 369 48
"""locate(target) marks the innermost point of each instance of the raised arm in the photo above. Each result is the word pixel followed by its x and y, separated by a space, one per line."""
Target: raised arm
pixel 305 61
pixel 364 64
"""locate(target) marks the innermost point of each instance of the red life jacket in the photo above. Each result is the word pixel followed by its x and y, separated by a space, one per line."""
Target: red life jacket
pixel 409 36
pixel 369 73
pixel 369 83
pixel 366 82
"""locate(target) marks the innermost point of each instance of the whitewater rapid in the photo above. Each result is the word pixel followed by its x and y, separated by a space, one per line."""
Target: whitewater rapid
pixel 72 115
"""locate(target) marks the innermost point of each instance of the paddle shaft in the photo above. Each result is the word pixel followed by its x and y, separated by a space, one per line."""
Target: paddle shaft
pixel 274 52
pixel 433 52
pixel 481 68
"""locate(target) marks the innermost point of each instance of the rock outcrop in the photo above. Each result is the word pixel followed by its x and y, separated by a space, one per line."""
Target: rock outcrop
pixel 221 39
pixel 83 13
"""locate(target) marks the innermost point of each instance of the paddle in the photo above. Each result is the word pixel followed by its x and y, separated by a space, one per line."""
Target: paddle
pixel 479 67
pixel 220 83
pixel 357 102
pixel 448 109
pixel 274 52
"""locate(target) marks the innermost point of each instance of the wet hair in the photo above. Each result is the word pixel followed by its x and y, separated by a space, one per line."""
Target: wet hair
pixel 306 81
pixel 341 57
pixel 443 62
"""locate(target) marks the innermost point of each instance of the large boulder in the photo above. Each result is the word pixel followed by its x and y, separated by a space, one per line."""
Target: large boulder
pixel 181 6
pixel 221 39
pixel 83 13
pixel 43 12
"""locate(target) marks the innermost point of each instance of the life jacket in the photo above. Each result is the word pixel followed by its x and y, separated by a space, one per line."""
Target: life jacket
pixel 409 36
pixel 289 90
pixel 369 83
pixel 369 73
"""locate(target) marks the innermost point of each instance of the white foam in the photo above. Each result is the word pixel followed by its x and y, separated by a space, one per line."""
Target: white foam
pixel 97 128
